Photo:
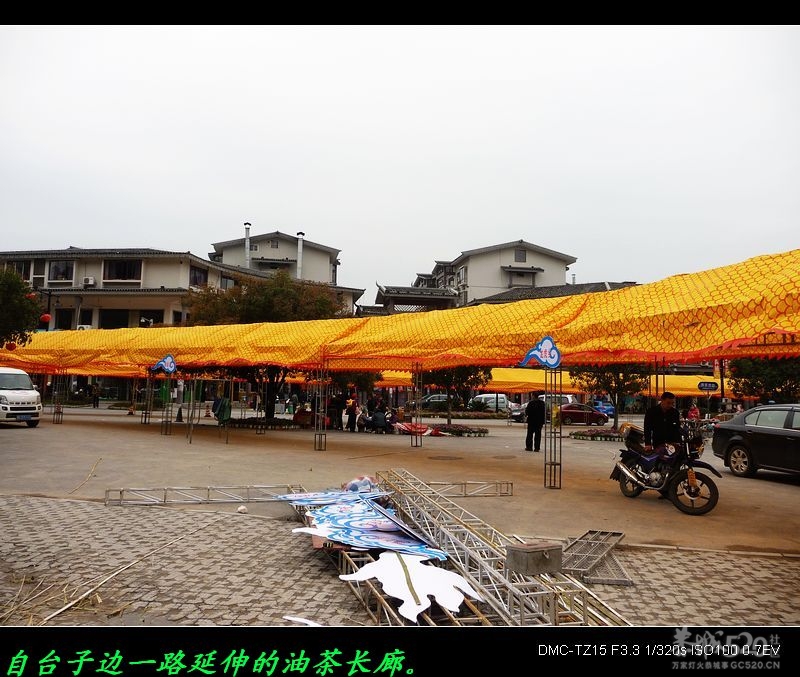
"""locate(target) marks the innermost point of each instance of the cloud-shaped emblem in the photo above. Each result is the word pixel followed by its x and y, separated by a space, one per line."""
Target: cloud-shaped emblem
pixel 166 363
pixel 545 353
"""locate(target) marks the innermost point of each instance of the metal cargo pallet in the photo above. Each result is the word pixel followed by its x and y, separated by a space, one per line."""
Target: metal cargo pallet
pixel 590 558
pixel 608 572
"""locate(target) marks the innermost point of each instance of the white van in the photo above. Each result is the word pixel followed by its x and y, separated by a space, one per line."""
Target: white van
pixel 19 399
pixel 551 399
pixel 492 402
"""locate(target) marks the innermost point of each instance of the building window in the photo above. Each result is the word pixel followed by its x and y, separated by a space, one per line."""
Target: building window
pixel 122 269
pixel 64 317
pixel 273 244
pixel 253 247
pixel 226 282
pixel 461 275
pixel 61 271
pixel 23 269
pixel 198 277
pixel 520 256
pixel 113 318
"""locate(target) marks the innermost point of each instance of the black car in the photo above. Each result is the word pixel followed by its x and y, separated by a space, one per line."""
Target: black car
pixel 436 401
pixel 765 437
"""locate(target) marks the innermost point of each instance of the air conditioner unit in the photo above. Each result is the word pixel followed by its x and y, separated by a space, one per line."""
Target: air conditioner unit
pixel 84 326
pixel 88 282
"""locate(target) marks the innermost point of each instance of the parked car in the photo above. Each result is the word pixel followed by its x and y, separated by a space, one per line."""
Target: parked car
pixel 550 399
pixel 19 399
pixel 605 407
pixel 581 413
pixel 489 402
pixel 765 437
pixel 435 401
pixel 517 411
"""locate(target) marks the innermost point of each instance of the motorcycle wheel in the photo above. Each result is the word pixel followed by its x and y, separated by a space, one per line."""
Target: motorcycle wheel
pixel 697 501
pixel 627 487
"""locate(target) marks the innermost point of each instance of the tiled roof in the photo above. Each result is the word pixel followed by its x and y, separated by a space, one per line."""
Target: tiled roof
pixel 524 293
pixel 93 291
pixel 79 253
pixel 444 292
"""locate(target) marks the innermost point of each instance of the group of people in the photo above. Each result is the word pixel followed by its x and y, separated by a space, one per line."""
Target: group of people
pixel 381 419
pixel 375 417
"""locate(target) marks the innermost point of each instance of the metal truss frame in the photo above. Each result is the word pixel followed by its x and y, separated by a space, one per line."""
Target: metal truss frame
pixel 477 551
pixel 195 495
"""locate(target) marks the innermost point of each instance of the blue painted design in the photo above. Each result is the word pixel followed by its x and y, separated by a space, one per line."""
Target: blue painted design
pixel 545 353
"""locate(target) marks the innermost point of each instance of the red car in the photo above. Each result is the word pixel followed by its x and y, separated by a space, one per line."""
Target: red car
pixel 581 413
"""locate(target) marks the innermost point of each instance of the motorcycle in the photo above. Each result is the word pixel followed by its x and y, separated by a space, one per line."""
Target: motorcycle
pixel 669 469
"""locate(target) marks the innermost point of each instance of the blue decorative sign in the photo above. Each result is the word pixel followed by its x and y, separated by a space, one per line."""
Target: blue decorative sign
pixel 166 363
pixel 710 386
pixel 545 353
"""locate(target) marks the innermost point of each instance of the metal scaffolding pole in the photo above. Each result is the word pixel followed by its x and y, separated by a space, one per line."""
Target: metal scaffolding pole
pixel 416 385
pixel 554 387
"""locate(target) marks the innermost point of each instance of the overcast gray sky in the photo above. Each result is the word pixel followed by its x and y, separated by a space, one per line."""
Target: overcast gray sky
pixel 642 151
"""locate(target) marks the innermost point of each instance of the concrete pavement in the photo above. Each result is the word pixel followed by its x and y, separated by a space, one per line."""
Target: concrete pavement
pixel 741 562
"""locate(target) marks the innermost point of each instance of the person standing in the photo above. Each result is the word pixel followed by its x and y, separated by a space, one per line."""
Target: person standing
pixel 352 413
pixel 535 415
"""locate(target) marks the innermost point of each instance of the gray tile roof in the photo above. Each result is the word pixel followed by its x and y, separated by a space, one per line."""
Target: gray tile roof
pixel 525 293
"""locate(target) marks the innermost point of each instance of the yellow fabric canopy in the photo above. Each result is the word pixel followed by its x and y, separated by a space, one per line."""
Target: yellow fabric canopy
pixel 747 309
pixel 751 308
pixel 506 380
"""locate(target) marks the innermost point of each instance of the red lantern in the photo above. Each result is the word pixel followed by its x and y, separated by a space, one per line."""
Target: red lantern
pixel 11 345
pixel 31 295
pixel 46 317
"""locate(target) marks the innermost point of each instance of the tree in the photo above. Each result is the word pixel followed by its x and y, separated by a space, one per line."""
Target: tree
pixel 360 380
pixel 775 379
pixel 457 381
pixel 277 299
pixel 618 380
pixel 20 309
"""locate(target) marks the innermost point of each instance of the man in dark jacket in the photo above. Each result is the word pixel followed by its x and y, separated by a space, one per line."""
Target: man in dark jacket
pixel 534 414
pixel 662 423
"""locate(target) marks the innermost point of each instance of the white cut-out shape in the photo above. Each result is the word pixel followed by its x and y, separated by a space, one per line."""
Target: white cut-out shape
pixel 407 578
pixel 314 531
pixel 305 621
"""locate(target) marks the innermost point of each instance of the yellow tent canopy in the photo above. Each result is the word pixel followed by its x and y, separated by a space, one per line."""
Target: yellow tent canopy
pixel 747 309
pixel 506 380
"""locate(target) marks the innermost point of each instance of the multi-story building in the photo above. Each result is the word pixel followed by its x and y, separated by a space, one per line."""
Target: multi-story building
pixel 270 252
pixel 117 288
pixel 477 274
